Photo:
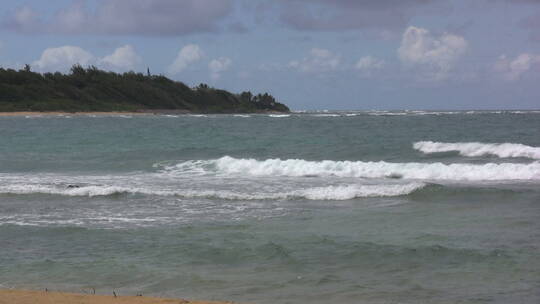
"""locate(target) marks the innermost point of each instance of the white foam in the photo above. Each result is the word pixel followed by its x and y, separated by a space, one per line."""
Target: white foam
pixel 388 114
pixel 475 149
pixel 355 191
pixel 50 189
pixel 380 169
pixel 345 192
pixel 326 115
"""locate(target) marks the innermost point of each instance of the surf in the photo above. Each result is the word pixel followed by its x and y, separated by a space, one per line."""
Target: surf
pixel 340 192
pixel 476 149
pixel 229 166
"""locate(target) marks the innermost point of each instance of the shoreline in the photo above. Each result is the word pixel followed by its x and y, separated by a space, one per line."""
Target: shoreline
pixel 18 296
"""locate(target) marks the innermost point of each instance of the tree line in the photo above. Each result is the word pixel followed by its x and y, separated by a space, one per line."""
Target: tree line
pixel 91 89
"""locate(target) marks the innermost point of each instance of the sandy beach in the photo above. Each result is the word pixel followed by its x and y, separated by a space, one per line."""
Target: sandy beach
pixel 10 296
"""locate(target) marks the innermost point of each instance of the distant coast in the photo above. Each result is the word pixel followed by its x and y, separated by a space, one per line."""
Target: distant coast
pixel 68 113
pixel 111 113
pixel 12 296
pixel 94 90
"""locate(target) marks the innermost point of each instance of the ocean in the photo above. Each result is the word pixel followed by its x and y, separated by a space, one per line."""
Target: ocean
pixel 312 207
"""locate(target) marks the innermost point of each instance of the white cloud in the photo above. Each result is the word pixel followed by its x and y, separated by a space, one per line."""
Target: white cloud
pixel 512 69
pixel 437 55
pixel 62 58
pixel 123 58
pixel 319 60
pixel 217 66
pixel 189 54
pixel 368 63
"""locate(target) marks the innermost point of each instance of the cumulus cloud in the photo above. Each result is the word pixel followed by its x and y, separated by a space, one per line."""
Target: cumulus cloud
pixel 436 55
pixel 62 58
pixel 126 17
pixel 338 15
pixel 122 59
pixel 219 65
pixel 319 60
pixel 368 63
pixel 188 55
pixel 513 69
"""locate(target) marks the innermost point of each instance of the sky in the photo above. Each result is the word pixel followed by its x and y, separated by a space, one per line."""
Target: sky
pixel 309 54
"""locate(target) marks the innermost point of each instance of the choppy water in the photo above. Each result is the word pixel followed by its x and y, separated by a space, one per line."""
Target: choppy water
pixel 374 207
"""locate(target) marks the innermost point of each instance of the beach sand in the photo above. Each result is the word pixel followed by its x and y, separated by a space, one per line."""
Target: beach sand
pixel 12 296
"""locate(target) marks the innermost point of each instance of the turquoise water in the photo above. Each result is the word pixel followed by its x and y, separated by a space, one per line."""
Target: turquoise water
pixel 374 207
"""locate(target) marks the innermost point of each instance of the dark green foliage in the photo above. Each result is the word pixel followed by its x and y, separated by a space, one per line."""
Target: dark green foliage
pixel 91 89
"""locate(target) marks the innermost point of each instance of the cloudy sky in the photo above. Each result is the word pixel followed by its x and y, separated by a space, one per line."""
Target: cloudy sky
pixel 310 54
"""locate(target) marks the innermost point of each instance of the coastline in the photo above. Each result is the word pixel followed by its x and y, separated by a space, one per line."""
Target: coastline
pixel 99 113
pixel 142 112
pixel 17 296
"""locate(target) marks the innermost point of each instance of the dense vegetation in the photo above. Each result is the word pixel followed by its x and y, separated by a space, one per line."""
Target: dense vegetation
pixel 91 89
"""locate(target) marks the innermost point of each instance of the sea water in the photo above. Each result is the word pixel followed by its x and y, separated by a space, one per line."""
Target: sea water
pixel 344 207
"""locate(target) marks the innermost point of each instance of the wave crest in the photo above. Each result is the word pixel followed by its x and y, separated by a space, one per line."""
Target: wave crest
pixel 301 168
pixel 475 149
pixel 345 192
pixel 354 191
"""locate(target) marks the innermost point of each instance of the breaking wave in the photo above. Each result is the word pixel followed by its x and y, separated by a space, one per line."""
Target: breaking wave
pixel 303 168
pixel 345 192
pixel 62 190
pixel 355 191
pixel 475 149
